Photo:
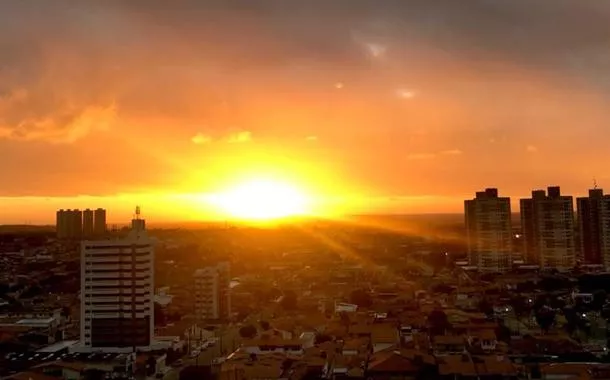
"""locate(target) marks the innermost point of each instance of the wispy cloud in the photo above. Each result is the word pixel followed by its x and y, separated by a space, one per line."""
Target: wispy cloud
pixel 421 156
pixel 311 138
pixel 200 138
pixel 451 152
pixel 240 137
pixel 66 124
pixel 405 93
pixel 429 156
pixel 531 148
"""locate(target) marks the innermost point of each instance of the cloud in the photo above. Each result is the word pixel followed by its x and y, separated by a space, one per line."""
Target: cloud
pixel 451 152
pixel 421 156
pixel 405 93
pixel 200 138
pixel 240 137
pixel 311 138
pixel 27 116
pixel 429 156
pixel 531 149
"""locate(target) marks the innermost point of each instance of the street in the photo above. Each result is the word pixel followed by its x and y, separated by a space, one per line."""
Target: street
pixel 227 343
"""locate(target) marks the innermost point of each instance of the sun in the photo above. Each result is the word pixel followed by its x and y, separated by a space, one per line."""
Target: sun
pixel 262 200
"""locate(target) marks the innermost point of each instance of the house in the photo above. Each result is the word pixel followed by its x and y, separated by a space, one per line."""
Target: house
pixel 28 375
pixel 62 369
pixel 495 366
pixel 339 366
pixel 403 364
pixel 384 336
pixel 448 345
pixel 269 344
pixel 452 367
pixel 484 339
pixel 355 346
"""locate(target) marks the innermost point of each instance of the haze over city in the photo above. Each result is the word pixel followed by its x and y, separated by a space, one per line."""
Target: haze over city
pixel 408 107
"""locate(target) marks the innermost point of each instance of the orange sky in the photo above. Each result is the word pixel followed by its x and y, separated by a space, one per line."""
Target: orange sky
pixel 408 107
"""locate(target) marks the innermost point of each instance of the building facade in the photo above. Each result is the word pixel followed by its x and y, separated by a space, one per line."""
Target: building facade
pixel 548 229
pixel 69 224
pixel 117 293
pixel 87 224
pixel 489 231
pixel 213 292
pixel 593 215
pixel 99 222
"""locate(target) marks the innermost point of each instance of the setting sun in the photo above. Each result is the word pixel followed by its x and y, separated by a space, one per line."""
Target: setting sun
pixel 262 200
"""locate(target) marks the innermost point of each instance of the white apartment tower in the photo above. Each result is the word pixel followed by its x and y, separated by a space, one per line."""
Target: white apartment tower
pixel 489 231
pixel 548 229
pixel 117 293
pixel 212 292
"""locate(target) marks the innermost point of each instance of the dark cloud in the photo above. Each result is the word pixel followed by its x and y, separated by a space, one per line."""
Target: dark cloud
pixel 513 71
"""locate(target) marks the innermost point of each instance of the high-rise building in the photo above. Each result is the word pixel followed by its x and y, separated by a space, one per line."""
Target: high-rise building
pixel 76 224
pixel 99 222
pixel 87 224
pixel 117 294
pixel 594 227
pixel 548 229
pixel 213 292
pixel 489 231
pixel 69 224
pixel 61 223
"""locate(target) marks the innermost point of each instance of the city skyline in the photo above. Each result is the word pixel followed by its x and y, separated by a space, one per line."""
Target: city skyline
pixel 404 108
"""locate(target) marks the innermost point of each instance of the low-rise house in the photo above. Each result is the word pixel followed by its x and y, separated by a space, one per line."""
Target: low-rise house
pixel 384 336
pixel 485 340
pixel 398 364
pixel 449 345
pixel 453 367
pixel 272 344
pixel 356 346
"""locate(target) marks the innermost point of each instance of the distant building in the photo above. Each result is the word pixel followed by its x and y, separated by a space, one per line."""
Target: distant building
pixel 99 222
pixel 88 224
pixel 61 223
pixel 76 224
pixel 69 224
pixel 117 293
pixel 213 292
pixel 548 229
pixel 594 227
pixel 489 231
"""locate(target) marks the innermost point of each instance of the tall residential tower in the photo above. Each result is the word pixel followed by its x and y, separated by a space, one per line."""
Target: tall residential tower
pixel 117 293
pixel 489 231
pixel 548 229
pixel 594 227
pixel 212 292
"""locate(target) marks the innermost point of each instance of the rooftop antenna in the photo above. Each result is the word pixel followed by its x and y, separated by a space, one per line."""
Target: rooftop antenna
pixel 594 183
pixel 137 215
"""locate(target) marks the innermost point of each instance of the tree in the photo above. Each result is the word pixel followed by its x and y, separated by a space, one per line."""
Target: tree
pixel 197 372
pixel 361 298
pixel 159 313
pixel 248 331
pixel 321 338
pixel 599 299
pixel 520 306
pixel 438 322
pixel 503 332
pixel 289 300
pixel 485 307
pixel 545 317
pixel 264 325
pixel 443 288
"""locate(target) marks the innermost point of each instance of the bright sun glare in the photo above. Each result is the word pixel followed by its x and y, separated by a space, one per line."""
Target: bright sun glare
pixel 262 200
